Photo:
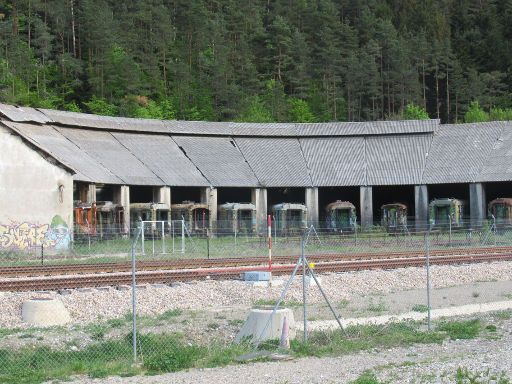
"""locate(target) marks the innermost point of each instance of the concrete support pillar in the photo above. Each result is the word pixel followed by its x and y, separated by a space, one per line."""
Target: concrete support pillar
pixel 312 205
pixel 259 199
pixel 477 204
pixel 162 195
pixel 87 192
pixel 209 196
pixel 421 207
pixel 366 201
pixel 122 196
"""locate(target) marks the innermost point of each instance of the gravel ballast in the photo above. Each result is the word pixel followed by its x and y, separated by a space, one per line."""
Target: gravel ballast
pixel 91 305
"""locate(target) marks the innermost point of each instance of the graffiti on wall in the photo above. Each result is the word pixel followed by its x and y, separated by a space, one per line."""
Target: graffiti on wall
pixel 22 236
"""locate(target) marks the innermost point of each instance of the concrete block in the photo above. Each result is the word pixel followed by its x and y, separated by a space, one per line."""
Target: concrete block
pixel 258 318
pixel 45 312
pixel 257 276
pixel 310 282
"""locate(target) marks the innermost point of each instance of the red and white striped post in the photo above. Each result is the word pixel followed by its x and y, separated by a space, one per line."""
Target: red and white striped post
pixel 269 228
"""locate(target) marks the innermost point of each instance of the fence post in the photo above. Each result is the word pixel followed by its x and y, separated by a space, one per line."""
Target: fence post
pixel 183 236
pixel 134 299
pixel 427 261
pixel 304 303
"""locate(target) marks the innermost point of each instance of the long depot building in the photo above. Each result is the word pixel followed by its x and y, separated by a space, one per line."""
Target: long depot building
pixel 50 161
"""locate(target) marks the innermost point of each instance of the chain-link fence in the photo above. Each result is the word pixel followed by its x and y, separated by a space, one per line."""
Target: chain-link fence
pixel 379 284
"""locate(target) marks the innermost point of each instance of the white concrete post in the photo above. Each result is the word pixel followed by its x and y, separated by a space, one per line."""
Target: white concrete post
pixel 259 199
pixel 421 207
pixel 312 205
pixel 122 196
pixel 477 204
pixel 162 195
pixel 209 196
pixel 366 201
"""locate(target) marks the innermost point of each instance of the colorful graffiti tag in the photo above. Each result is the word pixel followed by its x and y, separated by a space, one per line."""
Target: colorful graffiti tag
pixel 28 235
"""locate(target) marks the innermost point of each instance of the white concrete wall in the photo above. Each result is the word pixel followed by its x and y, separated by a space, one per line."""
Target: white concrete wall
pixel 30 198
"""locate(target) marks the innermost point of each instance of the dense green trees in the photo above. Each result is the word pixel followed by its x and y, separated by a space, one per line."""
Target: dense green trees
pixel 280 60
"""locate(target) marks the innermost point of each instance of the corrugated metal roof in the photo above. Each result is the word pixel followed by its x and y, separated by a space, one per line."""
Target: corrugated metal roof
pixel 367 128
pixel 51 141
pixel 396 159
pixel 219 160
pixel 86 120
pixel 23 114
pixel 263 129
pixel 105 149
pixel 459 152
pixel 163 156
pixel 498 164
pixel 277 162
pixel 198 128
pixel 338 161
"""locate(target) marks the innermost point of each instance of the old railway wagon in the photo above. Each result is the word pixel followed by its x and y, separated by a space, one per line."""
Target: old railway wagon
pixel 101 219
pixel 195 215
pixel 237 217
pixel 290 218
pixel 394 217
pixel 341 216
pixel 443 212
pixel 153 212
pixel 501 210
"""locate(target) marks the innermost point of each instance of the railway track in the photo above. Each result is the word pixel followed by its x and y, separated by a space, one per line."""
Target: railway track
pixel 234 272
pixel 154 265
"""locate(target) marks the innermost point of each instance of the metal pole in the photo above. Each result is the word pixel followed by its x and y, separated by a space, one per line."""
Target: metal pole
pixel 323 293
pixel 427 261
pixel 304 304
pixel 269 226
pixel 142 238
pixel 449 230
pixel 183 236
pixel 207 243
pixel 134 299
pixel 276 306
pixel 163 237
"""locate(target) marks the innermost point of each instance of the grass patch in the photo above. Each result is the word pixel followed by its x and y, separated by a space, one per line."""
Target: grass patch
pixel 464 375
pixel 376 307
pixel 475 294
pixel 167 315
pixel 168 352
pixel 366 378
pixel 468 329
pixel 503 315
pixel 343 304
pixel 358 338
pixel 420 308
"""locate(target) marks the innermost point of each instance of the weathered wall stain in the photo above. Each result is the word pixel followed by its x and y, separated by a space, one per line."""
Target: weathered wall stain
pixel 29 235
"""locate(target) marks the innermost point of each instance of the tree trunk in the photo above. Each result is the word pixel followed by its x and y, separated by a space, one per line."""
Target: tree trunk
pixel 14 18
pixel 424 86
pixel 447 97
pixel 73 26
pixel 437 91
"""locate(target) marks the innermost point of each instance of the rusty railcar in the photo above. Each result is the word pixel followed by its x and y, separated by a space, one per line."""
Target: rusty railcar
pixel 195 215
pixel 341 216
pixel 101 219
pixel 394 217
pixel 501 210
pixel 237 217
pixel 446 212
pixel 290 218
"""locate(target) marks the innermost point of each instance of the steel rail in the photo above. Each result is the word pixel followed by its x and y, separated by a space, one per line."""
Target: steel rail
pixel 170 276
pixel 83 268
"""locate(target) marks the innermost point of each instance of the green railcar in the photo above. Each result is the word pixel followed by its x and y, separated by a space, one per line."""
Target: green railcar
pixel 341 216
pixel 237 218
pixel 500 210
pixel 446 212
pixel 394 217
pixel 290 218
